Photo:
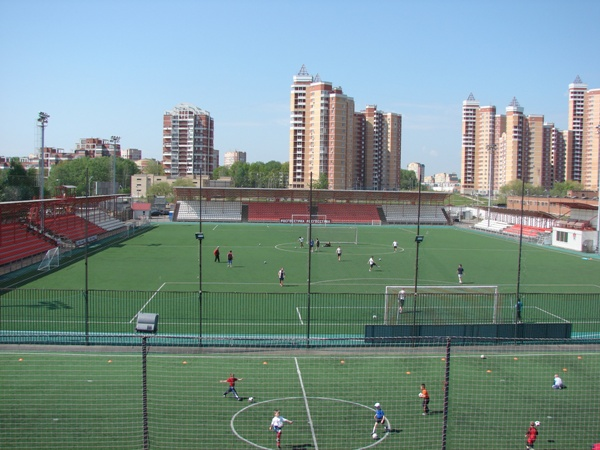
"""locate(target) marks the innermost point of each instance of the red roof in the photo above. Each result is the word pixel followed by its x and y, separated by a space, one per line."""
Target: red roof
pixel 140 206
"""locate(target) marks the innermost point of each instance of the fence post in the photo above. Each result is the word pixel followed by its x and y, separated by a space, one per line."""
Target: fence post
pixel 145 396
pixel 446 393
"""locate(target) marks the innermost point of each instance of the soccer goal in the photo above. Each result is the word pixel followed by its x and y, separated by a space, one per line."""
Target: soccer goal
pixel 51 259
pixel 334 234
pixel 443 304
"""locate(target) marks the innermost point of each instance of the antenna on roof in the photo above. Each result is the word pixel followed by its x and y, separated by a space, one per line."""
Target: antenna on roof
pixel 303 71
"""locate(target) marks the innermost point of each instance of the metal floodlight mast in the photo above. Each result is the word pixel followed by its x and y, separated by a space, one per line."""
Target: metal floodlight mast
pixel 42 121
pixel 491 148
pixel 115 140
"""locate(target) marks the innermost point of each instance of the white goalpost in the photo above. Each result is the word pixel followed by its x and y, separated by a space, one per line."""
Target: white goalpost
pixel 51 259
pixel 476 302
pixel 334 234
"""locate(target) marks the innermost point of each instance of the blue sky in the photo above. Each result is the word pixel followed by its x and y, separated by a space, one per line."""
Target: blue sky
pixel 113 67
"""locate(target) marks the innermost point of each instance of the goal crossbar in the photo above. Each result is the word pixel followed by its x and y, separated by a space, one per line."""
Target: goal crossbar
pixel 400 299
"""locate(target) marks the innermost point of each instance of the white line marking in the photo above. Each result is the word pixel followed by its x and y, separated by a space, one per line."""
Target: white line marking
pixel 550 314
pixel 299 315
pixel 146 304
pixel 310 422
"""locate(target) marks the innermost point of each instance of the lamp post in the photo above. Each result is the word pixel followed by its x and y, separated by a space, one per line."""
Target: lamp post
pixel 490 148
pixel 115 140
pixel 89 189
pixel 42 121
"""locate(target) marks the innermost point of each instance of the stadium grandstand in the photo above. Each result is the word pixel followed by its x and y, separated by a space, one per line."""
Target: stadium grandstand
pixel 288 206
pixel 29 229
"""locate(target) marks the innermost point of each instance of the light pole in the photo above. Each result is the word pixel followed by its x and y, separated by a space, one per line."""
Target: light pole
pixel 42 121
pixel 115 140
pixel 89 189
pixel 491 148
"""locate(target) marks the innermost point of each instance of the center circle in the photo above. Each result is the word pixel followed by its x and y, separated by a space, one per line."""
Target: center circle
pixel 314 437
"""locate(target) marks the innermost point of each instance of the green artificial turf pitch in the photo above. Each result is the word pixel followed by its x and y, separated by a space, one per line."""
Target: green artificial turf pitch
pixel 159 272
pixel 75 400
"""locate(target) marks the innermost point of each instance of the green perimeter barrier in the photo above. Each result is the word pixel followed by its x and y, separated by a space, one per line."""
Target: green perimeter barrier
pixel 39 314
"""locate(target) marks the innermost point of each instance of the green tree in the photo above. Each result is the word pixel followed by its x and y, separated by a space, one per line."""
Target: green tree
pixel 154 167
pixel 99 170
pixel 162 189
pixel 562 189
pixel 183 182
pixel 408 180
pixel 322 182
pixel 17 184
pixel 221 171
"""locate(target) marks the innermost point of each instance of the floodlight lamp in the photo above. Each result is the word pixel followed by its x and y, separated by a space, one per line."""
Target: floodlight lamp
pixel 43 117
pixel 115 139
pixel 147 323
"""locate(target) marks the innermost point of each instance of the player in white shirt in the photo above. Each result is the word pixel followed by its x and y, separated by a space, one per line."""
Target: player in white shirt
pixel 277 425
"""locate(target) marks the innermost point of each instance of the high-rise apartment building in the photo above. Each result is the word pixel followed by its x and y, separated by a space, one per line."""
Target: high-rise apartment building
pixel 591 141
pixel 188 142
pixel 573 161
pixel 498 149
pixel 469 134
pixel 381 145
pixel 328 139
pixel 229 158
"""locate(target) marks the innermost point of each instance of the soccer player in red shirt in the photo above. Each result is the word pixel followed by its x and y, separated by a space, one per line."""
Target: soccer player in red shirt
pixel 531 436
pixel 231 381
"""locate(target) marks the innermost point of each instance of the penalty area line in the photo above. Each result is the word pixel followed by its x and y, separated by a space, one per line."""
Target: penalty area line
pixel 147 303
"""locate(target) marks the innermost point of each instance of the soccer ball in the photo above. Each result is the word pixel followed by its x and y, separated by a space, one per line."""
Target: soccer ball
pixel 374 316
pixel 421 395
pixel 537 423
pixel 482 356
pixel 374 436
pixel 264 262
pixel 250 399
pixel 379 259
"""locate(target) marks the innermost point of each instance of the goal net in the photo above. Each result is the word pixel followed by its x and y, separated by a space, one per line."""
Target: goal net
pixel 443 305
pixel 51 259
pixel 334 234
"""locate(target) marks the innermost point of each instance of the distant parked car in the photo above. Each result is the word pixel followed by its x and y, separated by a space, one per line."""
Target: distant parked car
pixel 155 213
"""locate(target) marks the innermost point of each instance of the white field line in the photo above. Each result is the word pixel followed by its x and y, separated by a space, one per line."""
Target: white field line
pixel 550 314
pixel 299 315
pixel 147 303
pixel 310 422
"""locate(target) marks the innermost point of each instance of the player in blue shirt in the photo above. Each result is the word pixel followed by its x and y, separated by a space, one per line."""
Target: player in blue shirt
pixel 379 418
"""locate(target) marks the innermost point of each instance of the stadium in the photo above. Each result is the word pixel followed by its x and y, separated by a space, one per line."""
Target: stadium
pixel 116 328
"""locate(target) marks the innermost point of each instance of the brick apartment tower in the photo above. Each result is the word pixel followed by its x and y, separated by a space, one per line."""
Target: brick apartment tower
pixel 379 144
pixel 574 156
pixel 469 134
pixel 498 149
pixel 327 138
pixel 188 142
pixel 321 133
pixel 591 141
